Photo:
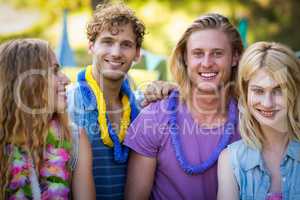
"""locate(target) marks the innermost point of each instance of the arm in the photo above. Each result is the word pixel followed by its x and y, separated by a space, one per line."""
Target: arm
pixel 228 188
pixel 140 176
pixel 83 182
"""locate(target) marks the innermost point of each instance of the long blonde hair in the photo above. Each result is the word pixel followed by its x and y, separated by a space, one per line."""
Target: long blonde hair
pixel 209 21
pixel 19 127
pixel 283 65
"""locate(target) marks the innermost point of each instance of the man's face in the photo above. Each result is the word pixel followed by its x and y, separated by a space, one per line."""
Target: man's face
pixel 209 60
pixel 114 51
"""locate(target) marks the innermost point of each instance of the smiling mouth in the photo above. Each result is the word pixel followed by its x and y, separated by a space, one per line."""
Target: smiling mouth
pixel 114 63
pixel 62 93
pixel 268 114
pixel 208 75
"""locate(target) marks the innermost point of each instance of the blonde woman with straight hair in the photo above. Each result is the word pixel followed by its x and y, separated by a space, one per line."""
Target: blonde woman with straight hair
pixel 265 164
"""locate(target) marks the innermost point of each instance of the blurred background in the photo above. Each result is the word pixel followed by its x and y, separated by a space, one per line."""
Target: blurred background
pixel 63 24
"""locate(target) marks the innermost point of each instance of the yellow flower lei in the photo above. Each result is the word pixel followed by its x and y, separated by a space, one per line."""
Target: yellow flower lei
pixel 101 106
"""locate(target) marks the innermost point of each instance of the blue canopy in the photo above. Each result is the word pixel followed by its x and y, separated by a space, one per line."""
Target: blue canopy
pixel 64 53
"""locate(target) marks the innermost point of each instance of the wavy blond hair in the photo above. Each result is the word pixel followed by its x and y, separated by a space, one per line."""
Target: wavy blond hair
pixel 208 21
pixel 283 65
pixel 19 127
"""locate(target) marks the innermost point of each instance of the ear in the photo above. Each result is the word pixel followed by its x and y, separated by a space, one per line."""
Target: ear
pixel 138 54
pixel 91 47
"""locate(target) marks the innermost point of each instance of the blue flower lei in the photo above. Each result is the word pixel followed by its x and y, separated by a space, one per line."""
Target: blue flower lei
pixel 120 151
pixel 229 130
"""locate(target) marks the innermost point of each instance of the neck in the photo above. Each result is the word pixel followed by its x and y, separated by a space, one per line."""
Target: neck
pixel 208 108
pixel 111 88
pixel 274 141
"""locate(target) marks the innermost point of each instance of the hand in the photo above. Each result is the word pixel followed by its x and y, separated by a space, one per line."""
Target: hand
pixel 157 90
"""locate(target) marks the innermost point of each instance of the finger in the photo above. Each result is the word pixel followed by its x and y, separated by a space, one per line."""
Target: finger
pixel 158 92
pixel 144 103
pixel 166 91
pixel 149 89
pixel 148 100
pixel 154 89
pixel 149 97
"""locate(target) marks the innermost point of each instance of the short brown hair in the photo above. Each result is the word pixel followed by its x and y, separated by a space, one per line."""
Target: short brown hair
pixel 109 15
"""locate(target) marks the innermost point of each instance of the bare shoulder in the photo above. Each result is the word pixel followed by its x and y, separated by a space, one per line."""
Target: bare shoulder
pixel 224 156
pixel 228 188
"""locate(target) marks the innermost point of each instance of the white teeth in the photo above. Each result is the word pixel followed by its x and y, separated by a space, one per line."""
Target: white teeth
pixel 208 75
pixel 115 63
pixel 61 93
pixel 267 113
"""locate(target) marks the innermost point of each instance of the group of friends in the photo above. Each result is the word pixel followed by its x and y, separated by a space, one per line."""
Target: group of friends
pixel 228 129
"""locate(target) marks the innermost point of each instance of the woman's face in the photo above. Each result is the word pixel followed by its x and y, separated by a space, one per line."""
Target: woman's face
pixel 267 101
pixel 57 86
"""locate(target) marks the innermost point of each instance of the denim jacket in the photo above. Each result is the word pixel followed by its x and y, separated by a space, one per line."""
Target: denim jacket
pixel 253 178
pixel 109 176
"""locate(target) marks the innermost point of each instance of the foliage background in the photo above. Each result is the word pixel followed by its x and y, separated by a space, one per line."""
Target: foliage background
pixel 273 20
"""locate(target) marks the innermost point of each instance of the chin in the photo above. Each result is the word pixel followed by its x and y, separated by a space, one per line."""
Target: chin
pixel 277 124
pixel 113 76
pixel 207 88
pixel 61 106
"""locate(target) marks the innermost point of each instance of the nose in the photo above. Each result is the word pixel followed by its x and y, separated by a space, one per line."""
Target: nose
pixel 64 78
pixel 207 61
pixel 267 100
pixel 116 50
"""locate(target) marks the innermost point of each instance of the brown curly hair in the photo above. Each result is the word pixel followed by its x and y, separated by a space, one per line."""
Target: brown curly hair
pixel 107 16
pixel 18 127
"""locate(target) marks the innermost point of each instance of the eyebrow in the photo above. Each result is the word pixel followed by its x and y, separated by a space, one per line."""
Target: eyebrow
pixel 106 38
pixel 111 38
pixel 260 87
pixel 214 49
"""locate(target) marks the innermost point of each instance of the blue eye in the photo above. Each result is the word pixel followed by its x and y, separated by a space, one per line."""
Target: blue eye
pixel 106 42
pixel 198 53
pixel 127 44
pixel 218 54
pixel 258 91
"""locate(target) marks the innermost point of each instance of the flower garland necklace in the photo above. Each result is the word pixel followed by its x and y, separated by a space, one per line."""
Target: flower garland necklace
pixel 229 130
pixel 108 135
pixel 54 174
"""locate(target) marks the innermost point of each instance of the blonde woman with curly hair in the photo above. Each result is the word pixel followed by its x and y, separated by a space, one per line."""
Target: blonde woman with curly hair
pixel 265 164
pixel 38 157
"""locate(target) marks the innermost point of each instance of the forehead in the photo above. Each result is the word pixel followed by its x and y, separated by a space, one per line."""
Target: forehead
pixel 263 78
pixel 123 32
pixel 52 57
pixel 208 39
